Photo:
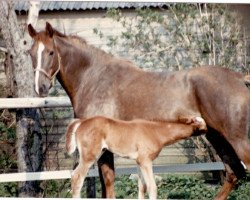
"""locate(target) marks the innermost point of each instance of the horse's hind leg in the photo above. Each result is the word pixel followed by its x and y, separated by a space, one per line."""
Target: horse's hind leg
pixel 228 185
pixel 242 148
pixel 233 166
pixel 107 174
pixel 237 133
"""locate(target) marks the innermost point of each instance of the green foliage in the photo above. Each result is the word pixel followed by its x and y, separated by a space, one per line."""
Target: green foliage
pixel 8 190
pixel 7 138
pixel 242 190
pixel 185 187
pixel 7 158
pixel 182 36
pixel 126 188
pixel 7 133
pixel 56 188
pixel 7 162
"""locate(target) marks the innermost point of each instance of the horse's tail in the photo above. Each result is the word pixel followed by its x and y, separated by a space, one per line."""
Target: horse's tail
pixel 70 136
pixel 247 79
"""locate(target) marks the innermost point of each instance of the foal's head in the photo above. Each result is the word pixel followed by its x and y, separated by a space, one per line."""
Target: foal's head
pixel 44 57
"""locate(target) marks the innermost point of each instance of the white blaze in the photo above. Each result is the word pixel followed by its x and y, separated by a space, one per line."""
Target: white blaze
pixel 39 65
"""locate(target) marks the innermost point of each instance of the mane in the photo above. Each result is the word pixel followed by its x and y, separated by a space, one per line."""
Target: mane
pixel 99 54
pixel 79 41
pixel 82 43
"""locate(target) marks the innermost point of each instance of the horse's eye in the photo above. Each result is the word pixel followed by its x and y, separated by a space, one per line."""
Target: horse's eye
pixel 51 53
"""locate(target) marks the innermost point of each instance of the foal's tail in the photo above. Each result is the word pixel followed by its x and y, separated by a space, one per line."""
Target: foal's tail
pixel 70 136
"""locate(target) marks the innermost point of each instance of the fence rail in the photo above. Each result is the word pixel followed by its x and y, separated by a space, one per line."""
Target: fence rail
pixel 49 102
pixel 66 174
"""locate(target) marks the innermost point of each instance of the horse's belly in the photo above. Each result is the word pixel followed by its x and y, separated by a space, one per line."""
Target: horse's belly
pixel 159 109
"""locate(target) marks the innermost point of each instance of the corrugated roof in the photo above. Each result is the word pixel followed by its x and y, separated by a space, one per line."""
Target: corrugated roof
pixel 84 5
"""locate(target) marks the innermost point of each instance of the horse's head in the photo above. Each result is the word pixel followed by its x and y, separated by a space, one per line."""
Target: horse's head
pixel 45 58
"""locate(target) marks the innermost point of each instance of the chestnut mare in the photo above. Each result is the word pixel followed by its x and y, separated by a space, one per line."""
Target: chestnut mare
pixel 98 83
pixel 140 140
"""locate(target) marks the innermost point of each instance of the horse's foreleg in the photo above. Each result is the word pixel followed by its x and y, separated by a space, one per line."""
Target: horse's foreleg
pixel 230 181
pixel 147 172
pixel 107 174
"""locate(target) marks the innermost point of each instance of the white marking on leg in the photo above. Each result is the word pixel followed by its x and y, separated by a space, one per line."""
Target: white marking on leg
pixel 243 165
pixel 39 65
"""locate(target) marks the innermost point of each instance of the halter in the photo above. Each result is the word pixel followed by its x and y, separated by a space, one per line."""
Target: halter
pixel 51 78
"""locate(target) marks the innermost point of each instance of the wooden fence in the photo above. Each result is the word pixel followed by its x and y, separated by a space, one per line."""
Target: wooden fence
pixel 53 102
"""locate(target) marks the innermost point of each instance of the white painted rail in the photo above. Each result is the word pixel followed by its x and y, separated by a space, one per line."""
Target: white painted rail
pixel 46 102
pixel 66 174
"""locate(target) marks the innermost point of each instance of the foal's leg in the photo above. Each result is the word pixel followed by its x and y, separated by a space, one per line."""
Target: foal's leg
pixel 147 172
pixel 89 150
pixel 78 177
pixel 142 188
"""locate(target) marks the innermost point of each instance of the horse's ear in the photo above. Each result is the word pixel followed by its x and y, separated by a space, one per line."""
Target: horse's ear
pixel 32 31
pixel 49 30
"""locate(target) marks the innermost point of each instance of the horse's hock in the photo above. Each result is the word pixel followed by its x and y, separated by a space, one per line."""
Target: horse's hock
pixel 55 121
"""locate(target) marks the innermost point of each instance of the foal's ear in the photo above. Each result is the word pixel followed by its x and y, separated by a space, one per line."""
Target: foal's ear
pixel 49 30
pixel 32 31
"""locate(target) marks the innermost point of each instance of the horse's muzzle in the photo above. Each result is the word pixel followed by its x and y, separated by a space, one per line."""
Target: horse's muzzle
pixel 43 90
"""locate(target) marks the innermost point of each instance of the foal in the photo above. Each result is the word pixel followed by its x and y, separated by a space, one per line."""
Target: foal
pixel 138 139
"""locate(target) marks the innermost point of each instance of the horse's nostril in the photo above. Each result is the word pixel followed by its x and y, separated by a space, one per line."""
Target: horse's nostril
pixel 43 86
pixel 42 89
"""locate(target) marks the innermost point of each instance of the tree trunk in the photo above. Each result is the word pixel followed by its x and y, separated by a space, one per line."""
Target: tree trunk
pixel 29 142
